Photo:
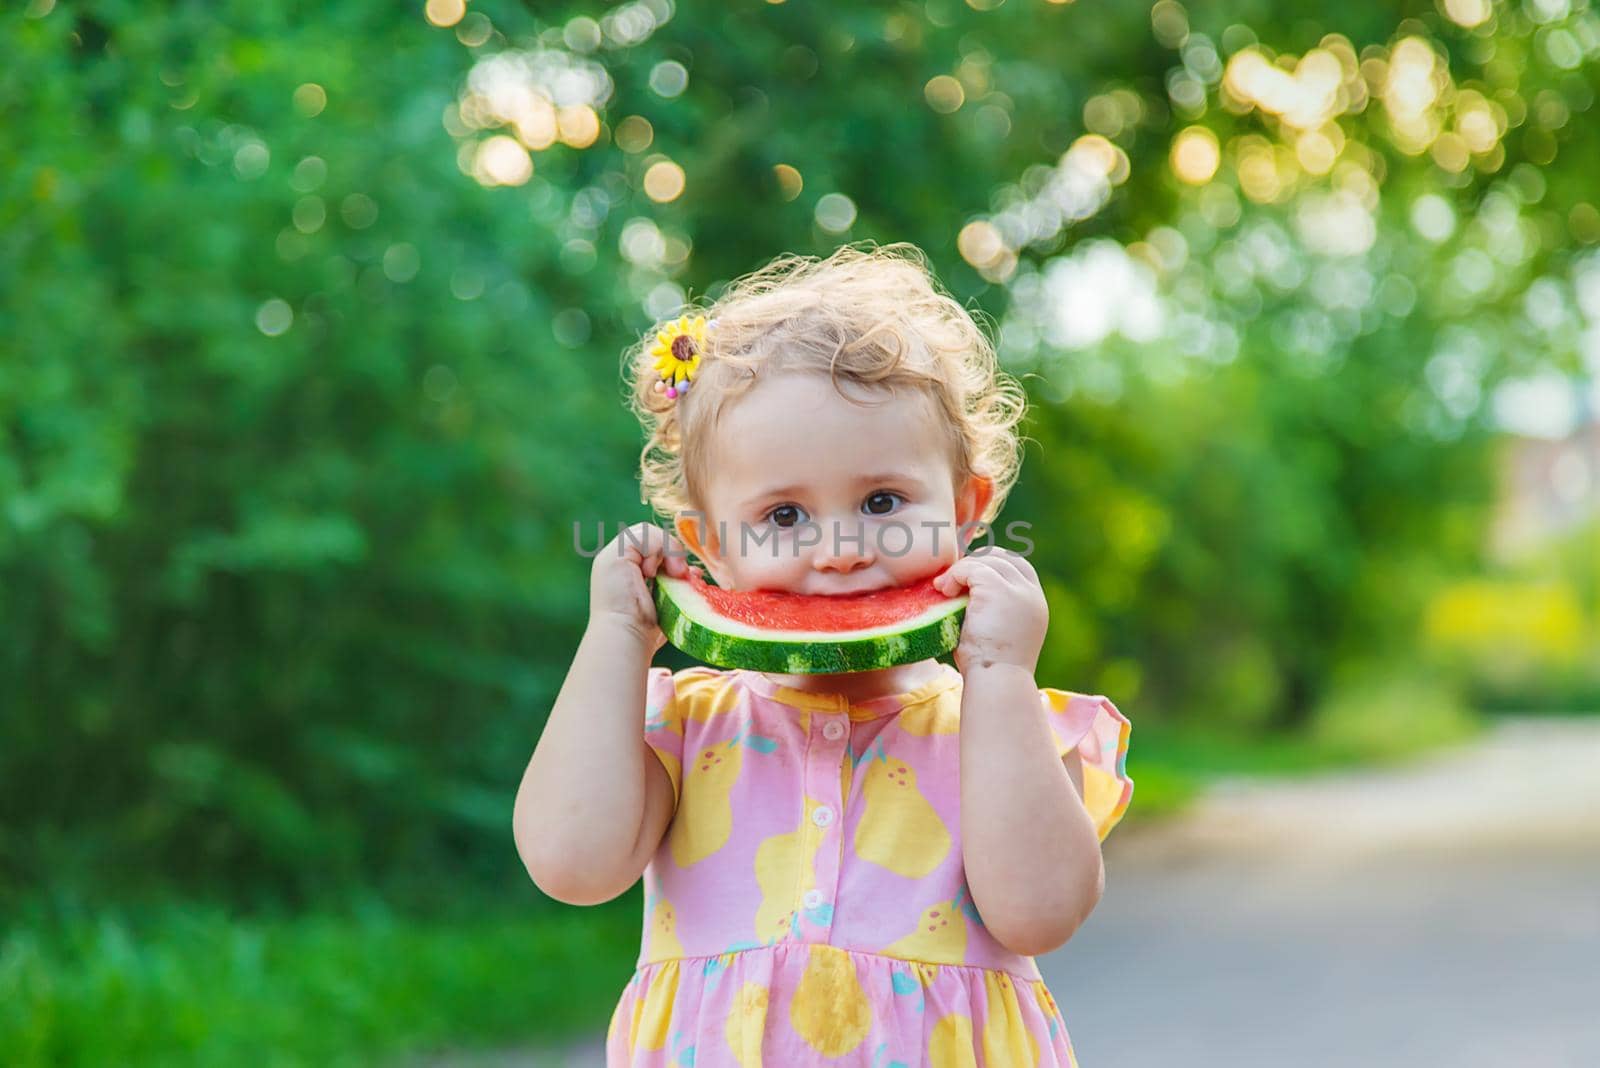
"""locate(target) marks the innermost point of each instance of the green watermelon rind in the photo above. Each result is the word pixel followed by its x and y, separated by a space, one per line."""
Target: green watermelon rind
pixel 813 654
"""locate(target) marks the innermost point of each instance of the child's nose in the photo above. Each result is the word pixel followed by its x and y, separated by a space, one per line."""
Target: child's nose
pixel 844 548
pixel 843 563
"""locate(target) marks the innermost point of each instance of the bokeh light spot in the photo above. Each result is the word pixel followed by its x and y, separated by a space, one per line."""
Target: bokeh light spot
pixel 634 134
pixel 1584 222
pixel 310 99
pixel 250 161
pixel 1468 13
pixel 309 174
pixel 274 317
pixel 581 34
pixel 579 126
pixel 836 213
pixel 1433 217
pixel 790 182
pixel 474 30
pixel 664 181
pixel 944 94
pixel 467 283
pixel 980 243
pixel 1170 23
pixel 570 326
pixel 401 262
pixel 669 78
pixel 358 210
pixel 444 12
pixel 1318 150
pixel 309 214
pixel 502 160
pixel 1196 155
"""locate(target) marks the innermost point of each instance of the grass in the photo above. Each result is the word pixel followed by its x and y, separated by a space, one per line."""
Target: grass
pixel 179 985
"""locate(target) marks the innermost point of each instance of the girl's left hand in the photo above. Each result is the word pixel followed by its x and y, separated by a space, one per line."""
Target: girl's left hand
pixel 1006 615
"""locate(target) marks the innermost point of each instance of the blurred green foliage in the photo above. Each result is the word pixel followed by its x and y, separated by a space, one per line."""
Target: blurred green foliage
pixel 282 613
pixel 299 415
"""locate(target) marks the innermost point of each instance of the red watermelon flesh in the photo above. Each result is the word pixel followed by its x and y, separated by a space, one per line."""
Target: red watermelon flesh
pixel 782 611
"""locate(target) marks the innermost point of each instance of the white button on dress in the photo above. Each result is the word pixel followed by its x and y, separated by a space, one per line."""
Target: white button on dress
pixel 822 816
pixel 813 898
pixel 833 730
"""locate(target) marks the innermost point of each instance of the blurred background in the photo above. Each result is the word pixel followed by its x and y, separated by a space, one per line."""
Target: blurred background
pixel 312 320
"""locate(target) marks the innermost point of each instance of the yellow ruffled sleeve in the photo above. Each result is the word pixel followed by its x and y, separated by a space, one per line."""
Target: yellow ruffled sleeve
pixel 1093 726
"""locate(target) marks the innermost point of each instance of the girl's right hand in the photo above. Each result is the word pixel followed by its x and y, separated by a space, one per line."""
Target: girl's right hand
pixel 618 590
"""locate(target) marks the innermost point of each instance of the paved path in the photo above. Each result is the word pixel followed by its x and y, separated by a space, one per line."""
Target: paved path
pixel 1446 913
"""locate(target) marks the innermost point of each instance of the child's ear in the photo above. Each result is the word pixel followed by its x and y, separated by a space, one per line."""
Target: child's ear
pixel 691 526
pixel 973 499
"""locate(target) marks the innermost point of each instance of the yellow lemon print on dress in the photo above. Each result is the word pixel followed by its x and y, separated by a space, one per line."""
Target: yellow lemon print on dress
pixel 705 812
pixel 776 858
pixel 941 935
pixel 950 1043
pixel 1047 1003
pixel 664 944
pixel 652 1011
pixel 829 1009
pixel 714 699
pixel 674 768
pixel 747 1022
pixel 899 828
pixel 931 717
pixel 1005 1037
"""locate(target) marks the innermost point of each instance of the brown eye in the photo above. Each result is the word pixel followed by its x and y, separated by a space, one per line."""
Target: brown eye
pixel 881 503
pixel 785 515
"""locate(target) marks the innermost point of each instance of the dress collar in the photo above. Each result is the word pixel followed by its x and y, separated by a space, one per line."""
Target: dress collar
pixel 872 708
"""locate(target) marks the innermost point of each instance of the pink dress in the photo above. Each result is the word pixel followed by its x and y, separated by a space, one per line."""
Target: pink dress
pixel 808 905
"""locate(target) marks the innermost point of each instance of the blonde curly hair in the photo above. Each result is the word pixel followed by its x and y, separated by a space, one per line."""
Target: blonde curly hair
pixel 875 317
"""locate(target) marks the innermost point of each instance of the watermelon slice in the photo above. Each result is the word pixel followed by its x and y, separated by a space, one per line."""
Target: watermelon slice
pixel 807 634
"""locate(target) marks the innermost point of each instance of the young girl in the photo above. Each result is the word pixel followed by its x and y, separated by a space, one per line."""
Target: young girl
pixel 851 869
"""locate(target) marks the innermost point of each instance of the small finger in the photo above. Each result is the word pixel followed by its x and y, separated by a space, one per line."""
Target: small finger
pixel 951 579
pixel 1025 566
pixel 636 541
pixel 676 558
pixel 1006 567
pixel 976 563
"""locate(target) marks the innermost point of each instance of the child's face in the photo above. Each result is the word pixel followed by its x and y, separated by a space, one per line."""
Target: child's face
pixel 811 493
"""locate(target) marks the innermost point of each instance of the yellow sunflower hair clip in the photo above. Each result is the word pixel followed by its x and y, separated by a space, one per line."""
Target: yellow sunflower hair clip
pixel 677 354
